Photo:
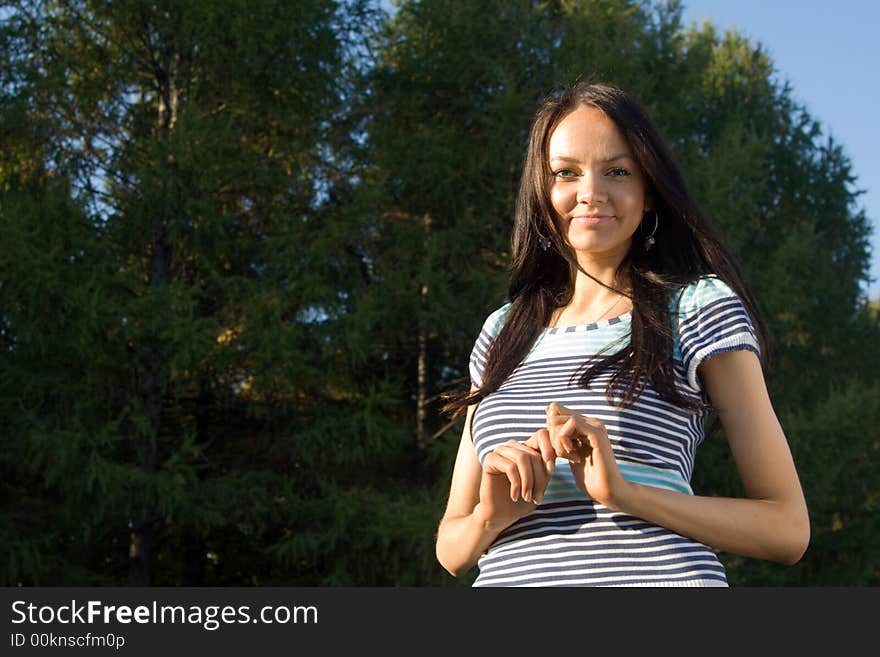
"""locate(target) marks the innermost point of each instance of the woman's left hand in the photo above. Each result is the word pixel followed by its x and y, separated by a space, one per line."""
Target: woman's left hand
pixel 583 441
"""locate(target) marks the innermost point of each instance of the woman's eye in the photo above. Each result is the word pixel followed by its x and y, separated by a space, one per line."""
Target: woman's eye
pixel 617 172
pixel 564 173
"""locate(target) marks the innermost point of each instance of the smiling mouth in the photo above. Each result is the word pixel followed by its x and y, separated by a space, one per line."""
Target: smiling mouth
pixel 592 220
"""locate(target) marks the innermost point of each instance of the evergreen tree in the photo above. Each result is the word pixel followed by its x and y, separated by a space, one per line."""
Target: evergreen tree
pixel 195 138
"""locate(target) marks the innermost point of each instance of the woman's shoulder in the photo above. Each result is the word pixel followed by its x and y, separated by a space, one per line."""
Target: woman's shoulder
pixel 493 323
pixel 701 292
pixel 491 327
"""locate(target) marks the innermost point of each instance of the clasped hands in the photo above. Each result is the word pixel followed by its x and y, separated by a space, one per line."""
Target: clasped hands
pixel 516 474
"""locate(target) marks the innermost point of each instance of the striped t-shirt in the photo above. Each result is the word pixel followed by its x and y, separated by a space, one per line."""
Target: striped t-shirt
pixel 571 540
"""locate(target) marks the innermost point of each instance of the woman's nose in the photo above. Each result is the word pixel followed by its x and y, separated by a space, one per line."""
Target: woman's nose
pixel 590 190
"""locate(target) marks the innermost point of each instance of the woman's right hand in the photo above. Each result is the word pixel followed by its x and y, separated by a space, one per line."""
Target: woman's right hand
pixel 515 476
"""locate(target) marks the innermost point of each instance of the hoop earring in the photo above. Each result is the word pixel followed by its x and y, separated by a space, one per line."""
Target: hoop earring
pixel 649 240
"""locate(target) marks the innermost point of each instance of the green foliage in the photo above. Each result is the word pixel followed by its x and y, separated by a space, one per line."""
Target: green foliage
pixel 836 451
pixel 244 243
pixel 837 446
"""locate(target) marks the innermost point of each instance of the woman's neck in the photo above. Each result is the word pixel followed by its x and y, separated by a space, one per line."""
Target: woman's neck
pixel 601 281
pixel 592 300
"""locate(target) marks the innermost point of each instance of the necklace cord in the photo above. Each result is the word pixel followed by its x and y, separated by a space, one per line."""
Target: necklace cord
pixel 605 312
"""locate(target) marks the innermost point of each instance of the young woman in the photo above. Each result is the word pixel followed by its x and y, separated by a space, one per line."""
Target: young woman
pixel 628 323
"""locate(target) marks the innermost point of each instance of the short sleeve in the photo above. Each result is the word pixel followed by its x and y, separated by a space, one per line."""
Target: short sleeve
pixel 710 319
pixel 490 329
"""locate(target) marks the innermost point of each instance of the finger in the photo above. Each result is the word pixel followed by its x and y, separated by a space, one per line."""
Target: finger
pixel 497 464
pixel 554 423
pixel 518 454
pixel 587 435
pixel 596 440
pixel 565 437
pixel 580 437
pixel 545 446
pixel 523 457
pixel 540 476
pixel 571 432
pixel 554 426
pixel 528 458
pixel 542 458
pixel 540 442
pixel 589 431
pixel 555 416
pixel 593 427
pixel 555 409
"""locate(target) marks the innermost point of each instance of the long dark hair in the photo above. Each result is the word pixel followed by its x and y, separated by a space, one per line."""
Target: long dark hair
pixel 686 248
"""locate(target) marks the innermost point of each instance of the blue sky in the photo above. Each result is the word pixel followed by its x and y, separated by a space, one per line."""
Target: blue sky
pixel 829 52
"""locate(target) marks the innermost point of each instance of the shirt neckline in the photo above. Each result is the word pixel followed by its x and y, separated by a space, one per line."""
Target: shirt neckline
pixel 577 328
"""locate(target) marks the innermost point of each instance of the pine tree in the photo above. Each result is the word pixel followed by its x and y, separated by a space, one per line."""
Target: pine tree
pixel 195 141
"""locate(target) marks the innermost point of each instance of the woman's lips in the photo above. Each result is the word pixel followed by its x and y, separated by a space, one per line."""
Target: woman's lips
pixel 592 220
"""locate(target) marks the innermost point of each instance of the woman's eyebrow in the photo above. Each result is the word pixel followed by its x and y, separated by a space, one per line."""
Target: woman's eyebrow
pixel 613 158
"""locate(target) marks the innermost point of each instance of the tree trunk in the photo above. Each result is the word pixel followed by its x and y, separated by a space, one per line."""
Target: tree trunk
pixel 193 541
pixel 143 523
pixel 421 408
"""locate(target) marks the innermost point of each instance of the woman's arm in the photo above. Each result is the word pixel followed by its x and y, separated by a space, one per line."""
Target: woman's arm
pixel 772 522
pixel 463 535
pixel 485 500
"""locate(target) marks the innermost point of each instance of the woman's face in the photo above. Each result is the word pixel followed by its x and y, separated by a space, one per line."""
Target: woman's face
pixel 598 189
